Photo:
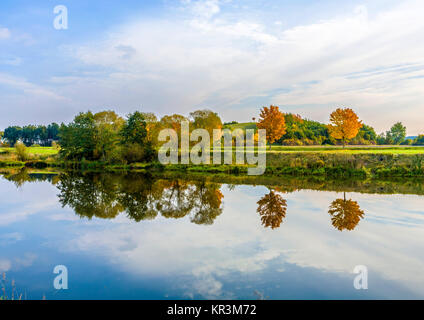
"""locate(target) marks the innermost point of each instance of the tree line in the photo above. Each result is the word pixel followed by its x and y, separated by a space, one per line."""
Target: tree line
pixel 106 136
pixel 344 128
pixel 31 135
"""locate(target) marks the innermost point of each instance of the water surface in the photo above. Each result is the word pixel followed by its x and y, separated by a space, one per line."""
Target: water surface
pixel 135 236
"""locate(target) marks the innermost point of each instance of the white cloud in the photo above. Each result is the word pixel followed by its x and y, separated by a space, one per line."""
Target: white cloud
pixel 203 9
pixel 237 246
pixel 4 33
pixel 5 265
pixel 27 87
pixel 209 60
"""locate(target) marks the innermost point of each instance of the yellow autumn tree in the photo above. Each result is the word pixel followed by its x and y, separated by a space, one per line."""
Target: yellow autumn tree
pixel 345 125
pixel 272 120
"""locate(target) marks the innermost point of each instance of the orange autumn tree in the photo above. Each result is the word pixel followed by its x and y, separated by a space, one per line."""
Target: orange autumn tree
pixel 272 120
pixel 345 125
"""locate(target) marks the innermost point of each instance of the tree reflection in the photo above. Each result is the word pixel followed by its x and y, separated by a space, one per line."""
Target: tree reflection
pixel 90 195
pixel 272 208
pixel 207 203
pixel 137 195
pixel 176 201
pixel 140 197
pixel 345 214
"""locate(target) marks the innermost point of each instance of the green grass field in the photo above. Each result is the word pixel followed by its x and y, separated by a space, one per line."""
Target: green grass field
pixel 47 151
pixel 38 151
pixel 347 150
pixel 350 149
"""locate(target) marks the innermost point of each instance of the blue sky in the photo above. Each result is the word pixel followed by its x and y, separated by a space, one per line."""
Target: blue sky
pixel 308 57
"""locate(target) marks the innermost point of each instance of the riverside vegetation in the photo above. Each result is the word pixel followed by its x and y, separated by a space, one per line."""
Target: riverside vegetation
pixel 297 147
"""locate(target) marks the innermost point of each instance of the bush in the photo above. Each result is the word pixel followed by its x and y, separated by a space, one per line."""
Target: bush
pixel 116 156
pixel 419 141
pixel 55 145
pixel 21 151
pixel 291 142
pixel 133 152
pixel 406 142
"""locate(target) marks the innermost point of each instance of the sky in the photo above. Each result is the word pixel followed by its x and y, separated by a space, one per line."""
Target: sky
pixel 231 56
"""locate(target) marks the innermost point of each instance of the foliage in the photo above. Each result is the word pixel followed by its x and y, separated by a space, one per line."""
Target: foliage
pixel 365 136
pixel 134 130
pixel 273 121
pixel 78 139
pixel 345 124
pixel 173 122
pixel 304 132
pixel 21 151
pixel 395 136
pixel 107 124
pixel 31 134
pixel 107 137
pixel 206 119
pixel 419 141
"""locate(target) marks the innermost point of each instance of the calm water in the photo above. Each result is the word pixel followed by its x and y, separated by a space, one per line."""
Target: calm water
pixel 135 237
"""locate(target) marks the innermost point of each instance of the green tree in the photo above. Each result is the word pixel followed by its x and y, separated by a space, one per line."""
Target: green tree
pixel 397 134
pixel 78 139
pixel 108 125
pixel 134 130
pixel 12 134
pixel 52 132
pixel 419 141
pixel 206 119
pixel 134 138
pixel 21 151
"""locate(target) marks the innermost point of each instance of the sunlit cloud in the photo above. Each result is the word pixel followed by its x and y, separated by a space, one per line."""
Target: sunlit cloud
pixel 4 33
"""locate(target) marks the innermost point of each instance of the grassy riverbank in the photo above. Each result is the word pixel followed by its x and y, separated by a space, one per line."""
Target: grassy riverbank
pixel 360 162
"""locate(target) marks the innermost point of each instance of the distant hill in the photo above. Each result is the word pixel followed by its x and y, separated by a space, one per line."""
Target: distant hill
pixel 411 138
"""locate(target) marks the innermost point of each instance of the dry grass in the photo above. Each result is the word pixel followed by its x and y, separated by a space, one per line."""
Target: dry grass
pixel 9 294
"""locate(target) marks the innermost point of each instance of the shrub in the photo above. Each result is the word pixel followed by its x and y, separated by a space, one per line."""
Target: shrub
pixel 133 152
pixel 21 151
pixel 406 142
pixel 116 156
pixel 291 142
pixel 55 145
pixel 419 141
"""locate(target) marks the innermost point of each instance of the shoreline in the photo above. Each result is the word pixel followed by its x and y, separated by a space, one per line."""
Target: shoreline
pixel 278 164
